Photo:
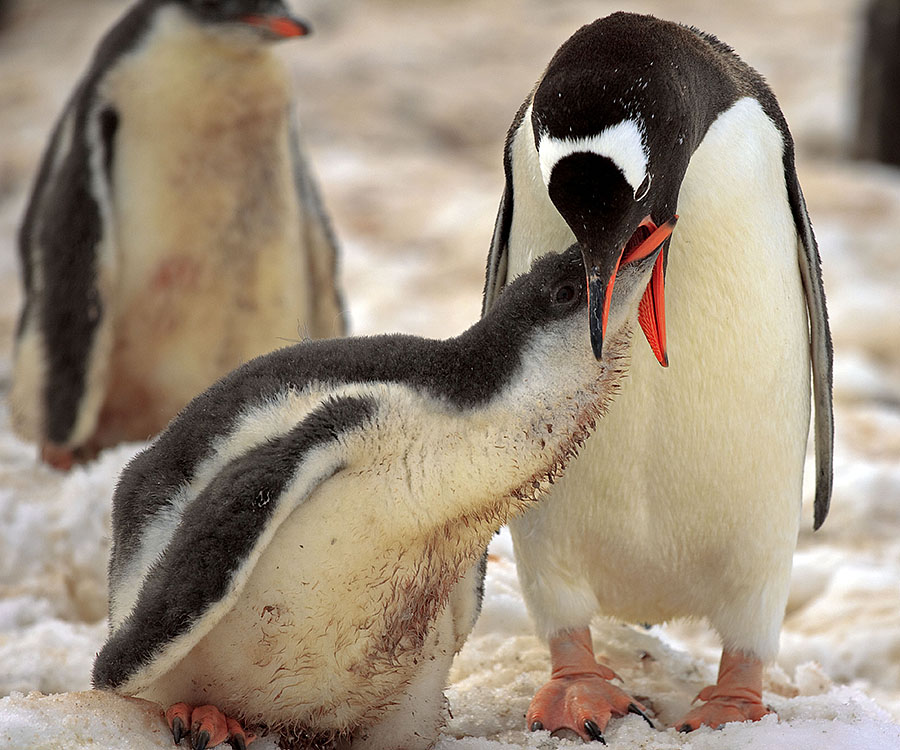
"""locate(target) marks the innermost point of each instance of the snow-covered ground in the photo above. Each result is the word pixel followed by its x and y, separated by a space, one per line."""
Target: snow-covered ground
pixel 405 106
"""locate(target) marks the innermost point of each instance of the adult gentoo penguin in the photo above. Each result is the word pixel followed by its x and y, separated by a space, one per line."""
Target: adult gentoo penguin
pixel 173 231
pixel 299 550
pixel 687 503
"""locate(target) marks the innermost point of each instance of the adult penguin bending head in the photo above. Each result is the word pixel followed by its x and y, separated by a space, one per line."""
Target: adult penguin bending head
pixel 174 230
pixel 688 503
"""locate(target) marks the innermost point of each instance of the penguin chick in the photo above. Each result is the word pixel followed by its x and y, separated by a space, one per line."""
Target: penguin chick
pixel 173 231
pixel 687 503
pixel 300 547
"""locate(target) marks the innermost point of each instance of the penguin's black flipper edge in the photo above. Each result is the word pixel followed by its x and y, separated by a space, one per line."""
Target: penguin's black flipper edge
pixel 821 352
pixel 223 531
pixel 67 253
pixel 329 319
pixel 498 258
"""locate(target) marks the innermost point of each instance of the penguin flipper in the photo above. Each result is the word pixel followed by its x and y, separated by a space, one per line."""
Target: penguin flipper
pixel 821 352
pixel 329 314
pixel 203 566
pixel 67 254
pixel 498 257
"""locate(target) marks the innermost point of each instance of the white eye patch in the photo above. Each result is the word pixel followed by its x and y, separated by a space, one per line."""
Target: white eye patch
pixel 622 144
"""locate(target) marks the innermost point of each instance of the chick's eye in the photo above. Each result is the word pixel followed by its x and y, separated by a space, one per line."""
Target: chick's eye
pixel 565 293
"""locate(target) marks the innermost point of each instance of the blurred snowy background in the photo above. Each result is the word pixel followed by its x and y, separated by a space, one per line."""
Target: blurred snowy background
pixel 405 106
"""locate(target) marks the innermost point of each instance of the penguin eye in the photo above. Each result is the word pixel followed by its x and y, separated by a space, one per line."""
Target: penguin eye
pixel 564 293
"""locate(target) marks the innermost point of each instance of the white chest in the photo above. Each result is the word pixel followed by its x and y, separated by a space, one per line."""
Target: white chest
pixel 706 456
pixel 202 164
pixel 204 214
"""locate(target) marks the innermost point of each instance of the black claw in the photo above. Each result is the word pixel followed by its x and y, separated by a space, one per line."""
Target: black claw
pixel 237 742
pixel 200 741
pixel 685 728
pixel 633 709
pixel 593 731
pixel 178 730
pixel 536 726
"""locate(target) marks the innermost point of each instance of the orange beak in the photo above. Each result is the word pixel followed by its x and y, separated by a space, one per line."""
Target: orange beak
pixel 602 268
pixel 283 26
pixel 652 309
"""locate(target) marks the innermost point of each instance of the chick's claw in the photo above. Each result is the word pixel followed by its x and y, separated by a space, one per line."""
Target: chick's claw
pixel 238 738
pixel 209 727
pixel 178 717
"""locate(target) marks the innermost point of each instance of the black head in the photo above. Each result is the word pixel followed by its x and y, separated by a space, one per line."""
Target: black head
pixel 271 19
pixel 616 119
pixel 554 288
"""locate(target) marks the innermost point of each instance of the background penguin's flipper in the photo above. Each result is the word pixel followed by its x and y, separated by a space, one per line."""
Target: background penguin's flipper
pixel 66 247
pixel 219 538
pixel 329 313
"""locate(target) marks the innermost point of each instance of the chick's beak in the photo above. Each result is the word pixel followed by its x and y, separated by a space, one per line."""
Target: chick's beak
pixel 601 277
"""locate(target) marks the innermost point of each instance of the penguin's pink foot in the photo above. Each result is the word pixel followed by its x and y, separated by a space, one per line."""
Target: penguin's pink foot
pixel 60 458
pixel 578 696
pixel 206 727
pixel 63 459
pixel 736 696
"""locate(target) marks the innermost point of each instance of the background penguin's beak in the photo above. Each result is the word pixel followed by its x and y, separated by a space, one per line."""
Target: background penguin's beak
pixel 279 23
pixel 601 277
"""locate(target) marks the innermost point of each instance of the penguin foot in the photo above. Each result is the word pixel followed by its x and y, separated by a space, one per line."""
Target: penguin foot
pixel 736 696
pixel 205 727
pixel 720 710
pixel 583 704
pixel 63 459
pixel 579 696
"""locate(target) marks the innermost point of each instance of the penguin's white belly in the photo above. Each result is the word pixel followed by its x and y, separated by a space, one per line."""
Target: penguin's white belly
pixel 206 222
pixel 686 500
pixel 333 624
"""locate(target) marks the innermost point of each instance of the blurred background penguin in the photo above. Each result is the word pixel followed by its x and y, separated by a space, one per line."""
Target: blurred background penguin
pixel 173 230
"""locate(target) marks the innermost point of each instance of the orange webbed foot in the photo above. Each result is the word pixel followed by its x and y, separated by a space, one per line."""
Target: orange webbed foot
pixel 206 727
pixel 736 696
pixel 60 458
pixel 584 703
pixel 579 696
pixel 64 459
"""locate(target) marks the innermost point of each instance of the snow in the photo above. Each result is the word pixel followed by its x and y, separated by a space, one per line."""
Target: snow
pixel 405 106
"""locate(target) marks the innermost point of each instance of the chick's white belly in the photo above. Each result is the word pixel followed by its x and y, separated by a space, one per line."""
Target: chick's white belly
pixel 328 631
